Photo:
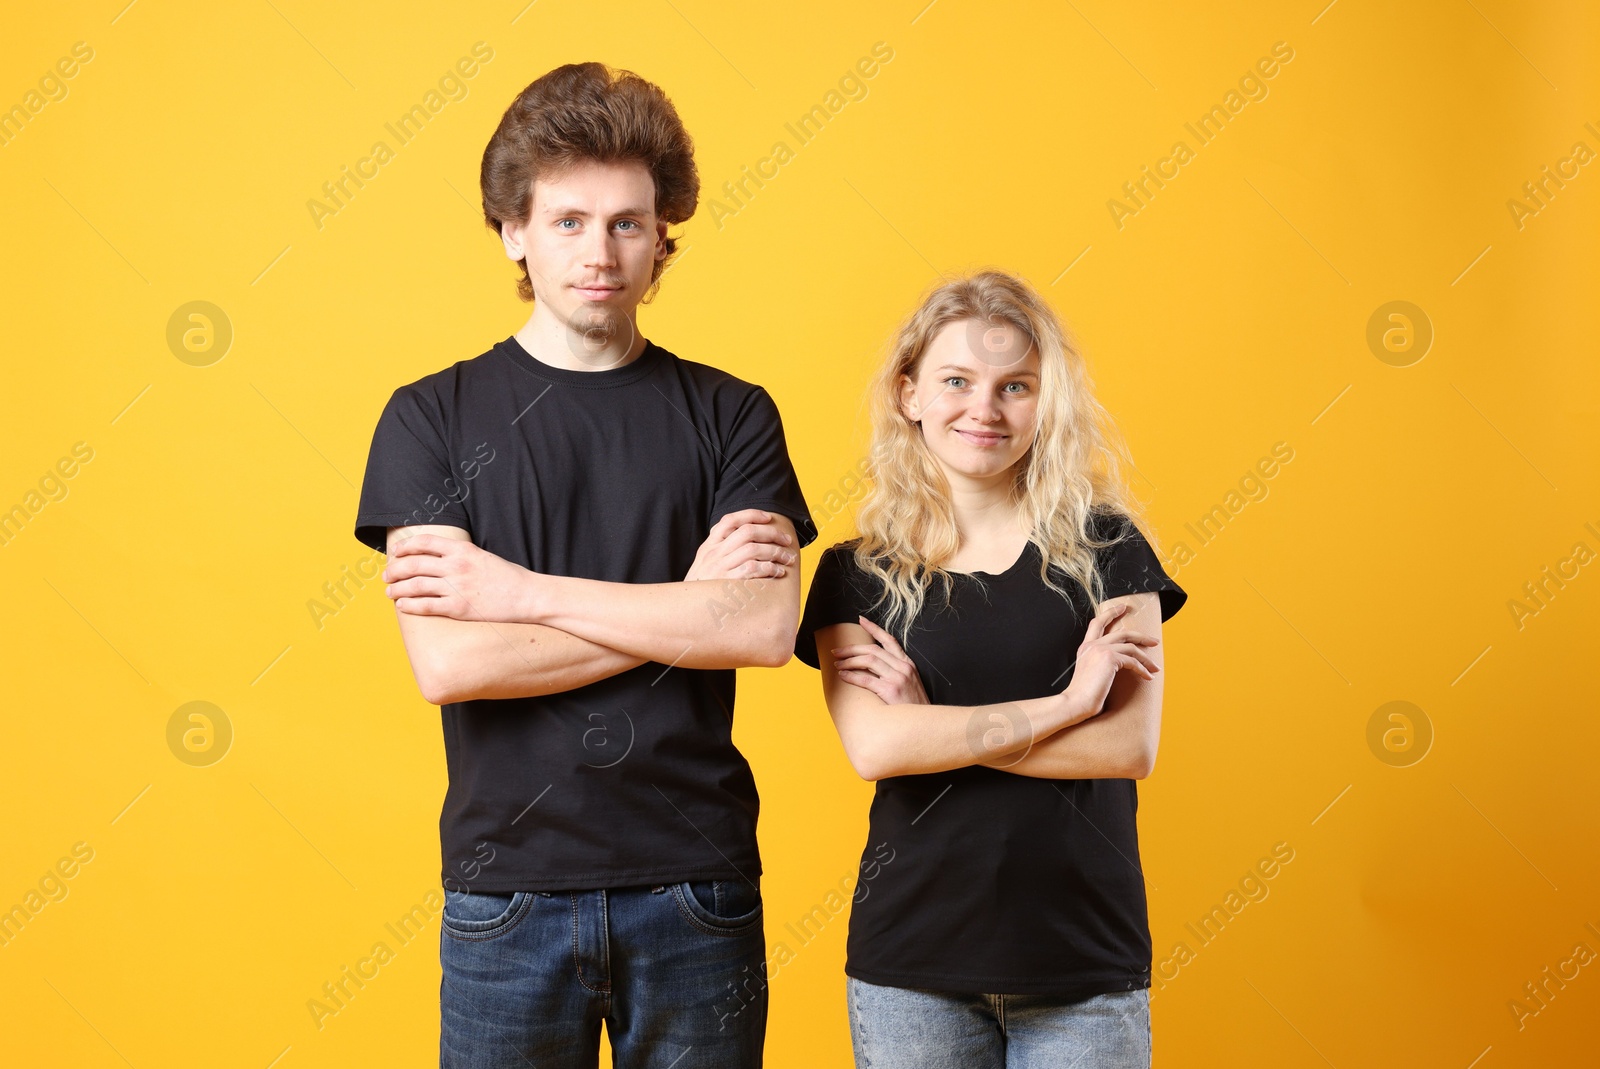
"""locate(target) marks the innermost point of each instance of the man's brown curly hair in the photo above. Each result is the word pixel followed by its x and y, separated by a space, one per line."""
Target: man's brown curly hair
pixel 588 112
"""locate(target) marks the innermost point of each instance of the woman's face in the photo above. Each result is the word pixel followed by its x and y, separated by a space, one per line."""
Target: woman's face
pixel 975 392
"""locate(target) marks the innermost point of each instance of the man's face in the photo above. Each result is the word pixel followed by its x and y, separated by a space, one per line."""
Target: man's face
pixel 591 241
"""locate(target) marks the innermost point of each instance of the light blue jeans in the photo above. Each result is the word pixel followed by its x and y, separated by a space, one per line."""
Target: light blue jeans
pixel 903 1028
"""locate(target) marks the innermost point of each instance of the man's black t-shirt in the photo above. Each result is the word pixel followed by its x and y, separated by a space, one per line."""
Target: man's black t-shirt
pixel 615 475
pixel 998 883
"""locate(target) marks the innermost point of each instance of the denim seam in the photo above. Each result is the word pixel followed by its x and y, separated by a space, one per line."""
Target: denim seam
pixel 577 962
pixel 861 1024
pixel 514 917
pixel 605 939
pixel 1149 1036
pixel 745 928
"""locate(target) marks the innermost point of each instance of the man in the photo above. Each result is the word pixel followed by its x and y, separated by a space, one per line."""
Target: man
pixel 586 536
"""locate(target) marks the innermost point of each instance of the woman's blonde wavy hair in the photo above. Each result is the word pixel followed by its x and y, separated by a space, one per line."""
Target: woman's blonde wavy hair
pixel 1072 471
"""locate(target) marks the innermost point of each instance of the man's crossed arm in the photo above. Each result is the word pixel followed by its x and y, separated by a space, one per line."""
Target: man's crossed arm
pixel 478 626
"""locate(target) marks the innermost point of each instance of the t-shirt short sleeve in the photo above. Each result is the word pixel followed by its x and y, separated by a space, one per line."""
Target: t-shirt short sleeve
pixel 756 469
pixel 1131 566
pixel 409 478
pixel 838 595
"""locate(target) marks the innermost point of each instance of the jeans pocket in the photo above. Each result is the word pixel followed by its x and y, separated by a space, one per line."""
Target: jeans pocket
pixel 483 914
pixel 724 907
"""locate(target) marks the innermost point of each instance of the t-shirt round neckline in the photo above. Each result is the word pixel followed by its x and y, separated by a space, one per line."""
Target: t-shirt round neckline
pixel 1027 551
pixel 641 366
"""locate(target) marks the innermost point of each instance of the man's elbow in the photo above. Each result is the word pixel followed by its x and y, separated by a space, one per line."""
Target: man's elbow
pixel 437 687
pixel 775 648
pixel 439 683
pixel 772 644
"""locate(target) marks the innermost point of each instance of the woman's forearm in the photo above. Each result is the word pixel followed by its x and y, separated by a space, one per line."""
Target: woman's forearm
pixel 1119 743
pixel 903 740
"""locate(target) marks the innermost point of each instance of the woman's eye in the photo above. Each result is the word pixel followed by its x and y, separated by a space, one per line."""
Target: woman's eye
pixel 955 382
pixel 1023 385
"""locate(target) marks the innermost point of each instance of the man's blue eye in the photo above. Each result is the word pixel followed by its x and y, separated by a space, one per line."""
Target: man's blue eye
pixel 564 222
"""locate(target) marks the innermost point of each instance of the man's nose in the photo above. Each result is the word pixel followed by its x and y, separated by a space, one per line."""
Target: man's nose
pixel 599 249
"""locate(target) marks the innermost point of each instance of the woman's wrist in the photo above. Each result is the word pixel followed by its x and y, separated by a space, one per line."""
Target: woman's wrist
pixel 1072 709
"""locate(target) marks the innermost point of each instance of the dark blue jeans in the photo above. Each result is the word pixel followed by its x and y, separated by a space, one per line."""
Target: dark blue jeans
pixel 676 972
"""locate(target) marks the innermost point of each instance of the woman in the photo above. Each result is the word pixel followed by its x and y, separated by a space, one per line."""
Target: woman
pixel 990 650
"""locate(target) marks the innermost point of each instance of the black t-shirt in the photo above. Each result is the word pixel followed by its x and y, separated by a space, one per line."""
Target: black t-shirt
pixel 615 475
pixel 998 883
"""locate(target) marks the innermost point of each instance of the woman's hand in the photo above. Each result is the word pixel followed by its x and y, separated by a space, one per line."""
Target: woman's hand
pixel 882 667
pixel 1101 656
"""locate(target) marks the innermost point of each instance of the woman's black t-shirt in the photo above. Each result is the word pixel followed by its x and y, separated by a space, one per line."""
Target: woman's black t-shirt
pixel 999 883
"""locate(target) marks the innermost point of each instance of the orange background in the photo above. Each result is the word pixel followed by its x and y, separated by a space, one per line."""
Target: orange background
pixel 1228 314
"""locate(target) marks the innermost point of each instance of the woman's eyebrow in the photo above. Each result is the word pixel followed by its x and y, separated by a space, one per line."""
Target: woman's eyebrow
pixel 968 371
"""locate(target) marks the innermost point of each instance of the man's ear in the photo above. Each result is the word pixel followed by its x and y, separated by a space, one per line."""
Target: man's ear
pixel 511 235
pixel 661 239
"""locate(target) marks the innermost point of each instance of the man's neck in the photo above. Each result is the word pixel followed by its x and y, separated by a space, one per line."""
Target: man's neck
pixel 550 340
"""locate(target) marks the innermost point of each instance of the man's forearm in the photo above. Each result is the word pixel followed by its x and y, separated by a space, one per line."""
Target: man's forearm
pixel 703 623
pixel 461 660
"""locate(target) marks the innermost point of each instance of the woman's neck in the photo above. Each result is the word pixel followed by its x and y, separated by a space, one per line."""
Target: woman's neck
pixel 991 527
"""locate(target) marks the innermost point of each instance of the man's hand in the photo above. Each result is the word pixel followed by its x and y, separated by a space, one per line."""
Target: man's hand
pixel 743 545
pixel 433 576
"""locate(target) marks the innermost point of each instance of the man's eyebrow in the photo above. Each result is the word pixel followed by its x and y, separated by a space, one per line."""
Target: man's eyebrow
pixel 968 371
pixel 563 212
